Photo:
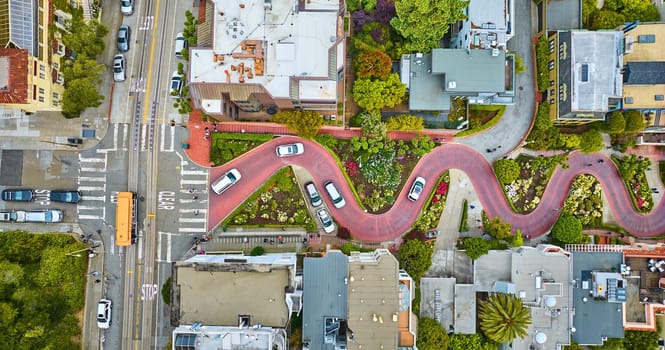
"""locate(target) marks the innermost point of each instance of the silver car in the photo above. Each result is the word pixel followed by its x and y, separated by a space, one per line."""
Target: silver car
pixel 127 7
pixel 176 84
pixel 119 68
pixel 124 36
pixel 326 221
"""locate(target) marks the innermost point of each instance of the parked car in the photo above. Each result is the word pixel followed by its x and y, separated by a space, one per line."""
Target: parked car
pixel 432 234
pixel 292 149
pixel 227 180
pixel 124 36
pixel 104 313
pixel 416 188
pixel 180 44
pixel 44 215
pixel 176 84
pixel 17 195
pixel 326 220
pixel 7 216
pixel 127 7
pixel 314 197
pixel 65 196
pixel 335 196
pixel 75 140
pixel 119 68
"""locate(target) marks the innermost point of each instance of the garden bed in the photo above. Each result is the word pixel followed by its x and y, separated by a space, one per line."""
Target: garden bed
pixel 228 146
pixel 632 169
pixel 377 170
pixel 525 192
pixel 433 208
pixel 482 117
pixel 278 203
pixel 584 201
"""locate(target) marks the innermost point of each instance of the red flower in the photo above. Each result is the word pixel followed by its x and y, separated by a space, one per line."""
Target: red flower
pixel 351 167
pixel 435 200
pixel 442 189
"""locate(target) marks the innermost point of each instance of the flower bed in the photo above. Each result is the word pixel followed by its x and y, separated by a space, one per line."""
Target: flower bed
pixel 278 202
pixel 227 146
pixel 378 169
pixel 433 208
pixel 525 192
pixel 632 169
pixel 584 201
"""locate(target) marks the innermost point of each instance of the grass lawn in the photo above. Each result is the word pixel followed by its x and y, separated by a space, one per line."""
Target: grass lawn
pixel 278 203
pixel 227 146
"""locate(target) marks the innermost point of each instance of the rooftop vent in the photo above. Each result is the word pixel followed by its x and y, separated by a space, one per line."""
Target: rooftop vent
pixel 452 84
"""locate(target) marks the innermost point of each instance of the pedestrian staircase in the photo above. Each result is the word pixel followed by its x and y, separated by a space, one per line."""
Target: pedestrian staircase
pixel 87 9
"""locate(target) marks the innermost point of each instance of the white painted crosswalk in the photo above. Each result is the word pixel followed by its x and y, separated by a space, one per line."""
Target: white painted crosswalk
pixel 92 186
pixel 167 138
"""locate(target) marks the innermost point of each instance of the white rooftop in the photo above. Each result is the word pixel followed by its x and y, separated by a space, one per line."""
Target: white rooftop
pixel 273 40
pixel 490 16
pixel 266 259
pixel 202 337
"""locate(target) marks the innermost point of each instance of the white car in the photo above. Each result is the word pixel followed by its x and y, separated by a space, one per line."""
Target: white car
pixel 119 68
pixel 326 220
pixel 176 84
pixel 416 188
pixel 127 7
pixel 104 314
pixel 227 180
pixel 292 149
pixel 180 44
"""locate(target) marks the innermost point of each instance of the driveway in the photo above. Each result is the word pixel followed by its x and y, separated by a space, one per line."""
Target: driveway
pixel 259 164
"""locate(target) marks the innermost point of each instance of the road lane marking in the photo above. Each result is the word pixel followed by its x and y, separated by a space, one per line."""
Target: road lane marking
pixel 90 217
pixel 93 179
pixel 92 188
pixel 192 229
pixel 192 220
pixel 93 198
pixel 193 182
pixel 193 172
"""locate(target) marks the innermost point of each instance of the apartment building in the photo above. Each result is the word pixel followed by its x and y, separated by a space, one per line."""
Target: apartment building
pixel 488 25
pixel 269 54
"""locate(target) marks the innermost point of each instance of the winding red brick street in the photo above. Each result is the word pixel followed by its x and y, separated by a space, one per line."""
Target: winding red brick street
pixel 259 164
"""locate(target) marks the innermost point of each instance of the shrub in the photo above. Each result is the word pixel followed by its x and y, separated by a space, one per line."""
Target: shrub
pixel 257 251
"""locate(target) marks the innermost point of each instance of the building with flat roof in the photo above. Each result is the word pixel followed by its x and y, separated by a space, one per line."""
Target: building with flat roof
pixel 480 76
pixel 325 281
pixel 540 277
pixel 596 318
pixel 644 77
pixel 234 301
pixel 488 25
pixel 33 53
pixel 269 54
pixel 379 303
pixel 585 79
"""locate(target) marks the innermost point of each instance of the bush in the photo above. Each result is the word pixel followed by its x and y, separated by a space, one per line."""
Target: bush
pixel 166 291
pixel 507 170
pixel 475 247
pixel 257 251
pixel 567 229
pixel 542 59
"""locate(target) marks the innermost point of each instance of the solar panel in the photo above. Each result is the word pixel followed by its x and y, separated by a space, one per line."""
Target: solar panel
pixel 22 25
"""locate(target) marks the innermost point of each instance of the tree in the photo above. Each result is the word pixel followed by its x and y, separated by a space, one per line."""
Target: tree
pixel 371 125
pixel 475 247
pixel 304 123
pixel 476 341
pixel 616 123
pixel 372 65
pixel 86 37
pixel 569 141
pixel 567 229
pixel 415 257
pixel 516 240
pixel 640 340
pixel 373 95
pixel 605 19
pixel 498 228
pixel 166 291
pixel 257 251
pixel 405 122
pixel 504 318
pixel 591 141
pixel 506 170
pixel 634 122
pixel 424 22
pixel 80 94
pixel 431 335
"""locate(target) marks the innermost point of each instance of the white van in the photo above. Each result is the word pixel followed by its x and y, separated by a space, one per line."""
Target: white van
pixel 314 197
pixel 226 181
pixel 334 195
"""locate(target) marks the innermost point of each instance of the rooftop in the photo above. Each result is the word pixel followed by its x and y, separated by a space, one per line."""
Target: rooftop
pixel 596 63
pixel 325 288
pixel 644 73
pixel 216 289
pixel 13 76
pixel 594 319
pixel 200 337
pixel 644 42
pixel 564 15
pixel 267 42
pixel 490 16
pixel 374 303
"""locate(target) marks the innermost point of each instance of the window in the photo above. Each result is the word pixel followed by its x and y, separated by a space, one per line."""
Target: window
pixel 41 91
pixel 646 39
pixel 551 65
pixel 551 82
pixel 55 103
pixel 465 36
pixel 551 101
pixel 42 67
pixel 660 98
pixel 56 65
pixel 628 100
pixel 551 46
pixel 42 76
pixel 59 80
pixel 61 49
pixel 56 95
pixel 41 99
pixel 585 72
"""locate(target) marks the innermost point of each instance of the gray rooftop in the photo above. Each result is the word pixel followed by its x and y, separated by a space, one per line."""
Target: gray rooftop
pixel 425 89
pixel 600 55
pixel 439 307
pixel 594 319
pixel 465 309
pixel 564 14
pixel 644 73
pixel 324 295
pixel 470 71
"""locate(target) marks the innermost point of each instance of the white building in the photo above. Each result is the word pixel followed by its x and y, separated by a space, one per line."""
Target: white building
pixel 489 25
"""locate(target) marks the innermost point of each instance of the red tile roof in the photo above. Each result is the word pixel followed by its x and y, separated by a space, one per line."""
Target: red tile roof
pixel 16 90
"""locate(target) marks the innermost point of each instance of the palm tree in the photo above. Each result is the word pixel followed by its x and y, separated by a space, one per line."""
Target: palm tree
pixel 504 318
